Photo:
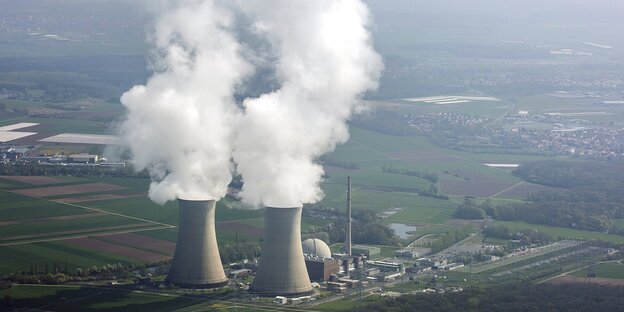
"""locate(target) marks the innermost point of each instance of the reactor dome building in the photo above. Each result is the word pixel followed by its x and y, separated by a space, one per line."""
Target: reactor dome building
pixel 196 261
pixel 316 247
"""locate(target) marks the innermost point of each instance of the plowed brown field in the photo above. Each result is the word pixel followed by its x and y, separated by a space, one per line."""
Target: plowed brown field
pixel 142 242
pixel 125 251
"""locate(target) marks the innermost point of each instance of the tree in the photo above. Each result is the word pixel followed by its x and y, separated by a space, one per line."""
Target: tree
pixel 469 211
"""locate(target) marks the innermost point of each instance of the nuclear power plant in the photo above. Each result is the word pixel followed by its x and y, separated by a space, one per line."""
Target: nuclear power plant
pixel 287 264
pixel 196 261
pixel 282 269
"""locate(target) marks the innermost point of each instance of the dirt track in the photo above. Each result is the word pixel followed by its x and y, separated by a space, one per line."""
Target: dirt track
pixel 91 198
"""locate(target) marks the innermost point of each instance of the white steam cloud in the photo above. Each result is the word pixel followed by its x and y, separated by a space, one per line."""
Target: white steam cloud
pixel 325 62
pixel 184 127
pixel 179 125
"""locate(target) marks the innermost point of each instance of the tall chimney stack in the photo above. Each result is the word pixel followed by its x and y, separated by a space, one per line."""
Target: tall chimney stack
pixel 282 270
pixel 348 230
pixel 196 261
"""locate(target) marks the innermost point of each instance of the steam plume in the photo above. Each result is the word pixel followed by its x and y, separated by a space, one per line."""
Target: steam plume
pixel 325 61
pixel 179 125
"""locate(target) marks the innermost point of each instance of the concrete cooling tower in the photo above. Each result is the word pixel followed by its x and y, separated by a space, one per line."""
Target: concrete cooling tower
pixel 282 269
pixel 196 261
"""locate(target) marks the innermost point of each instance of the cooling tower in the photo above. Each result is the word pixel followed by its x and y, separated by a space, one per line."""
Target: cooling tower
pixel 282 270
pixel 196 261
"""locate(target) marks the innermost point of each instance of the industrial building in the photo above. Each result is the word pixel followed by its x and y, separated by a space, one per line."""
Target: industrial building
pixel 239 273
pixel 282 268
pixel 369 252
pixel 82 158
pixel 386 266
pixel 433 263
pixel 196 261
pixel 320 269
pixel 413 252
pixel 318 260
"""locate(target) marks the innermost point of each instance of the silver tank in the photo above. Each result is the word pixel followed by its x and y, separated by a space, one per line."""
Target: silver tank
pixel 282 269
pixel 196 261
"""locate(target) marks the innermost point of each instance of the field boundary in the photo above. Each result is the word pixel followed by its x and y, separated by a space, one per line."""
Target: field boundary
pixel 94 209
pixel 82 235
pixel 507 189
pixel 374 150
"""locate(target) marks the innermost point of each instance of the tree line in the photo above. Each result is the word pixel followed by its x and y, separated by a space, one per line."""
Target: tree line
pixel 525 236
pixel 239 251
pixel 36 169
pixel 431 177
pixel 590 198
pixel 449 239
pixel 365 229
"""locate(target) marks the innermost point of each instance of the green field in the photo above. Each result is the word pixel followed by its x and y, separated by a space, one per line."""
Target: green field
pixel 610 270
pixel 432 229
pixel 49 228
pixel 94 299
pixel 613 270
pixel 378 191
pixel 76 298
pixel 558 232
pixel 15 207
pixel 425 210
pixel 337 306
pixel 379 201
pixel 140 207
pixel 460 173
pixel 34 230
pixel 32 238
pixel 21 257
